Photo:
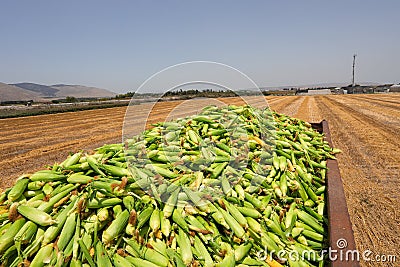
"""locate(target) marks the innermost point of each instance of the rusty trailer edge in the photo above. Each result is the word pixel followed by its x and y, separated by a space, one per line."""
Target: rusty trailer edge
pixel 341 236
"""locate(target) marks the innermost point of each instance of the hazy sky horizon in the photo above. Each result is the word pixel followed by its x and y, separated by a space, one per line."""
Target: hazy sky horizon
pixel 117 45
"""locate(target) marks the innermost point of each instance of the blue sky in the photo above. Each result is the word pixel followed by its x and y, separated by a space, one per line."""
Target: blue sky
pixel 119 44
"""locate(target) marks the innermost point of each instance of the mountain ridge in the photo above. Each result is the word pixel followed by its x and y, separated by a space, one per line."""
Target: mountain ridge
pixel 24 90
pixel 14 93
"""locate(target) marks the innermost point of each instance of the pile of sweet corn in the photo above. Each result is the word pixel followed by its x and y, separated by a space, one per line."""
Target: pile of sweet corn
pixel 231 186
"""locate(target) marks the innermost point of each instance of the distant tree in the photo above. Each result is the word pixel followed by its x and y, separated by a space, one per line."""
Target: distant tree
pixel 71 99
pixel 127 95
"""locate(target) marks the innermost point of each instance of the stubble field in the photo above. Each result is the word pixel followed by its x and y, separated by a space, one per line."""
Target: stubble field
pixel 365 127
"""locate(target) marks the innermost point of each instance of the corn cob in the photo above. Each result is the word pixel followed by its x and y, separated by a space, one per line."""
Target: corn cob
pixel 67 231
pixel 77 178
pixel 116 227
pixel 155 257
pixel 43 256
pixel 97 203
pixel 18 189
pixel 46 176
pixel 35 215
pixel 7 239
pixel 71 160
pixel 102 258
pixel 185 246
pixel 233 224
pixel 311 221
pixel 198 244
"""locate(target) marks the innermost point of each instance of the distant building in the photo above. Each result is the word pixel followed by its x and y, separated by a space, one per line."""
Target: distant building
pixel 319 92
pixel 395 88
pixel 383 88
pixel 359 89
pixel 338 91
pixel 315 92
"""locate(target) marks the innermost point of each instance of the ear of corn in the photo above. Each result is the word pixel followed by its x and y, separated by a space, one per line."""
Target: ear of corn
pixel 35 215
pixel 97 203
pixel 102 258
pixel 155 257
pixel 77 178
pixel 311 221
pixel 185 247
pixel 86 254
pixel 144 216
pixel 46 176
pixel 25 235
pixel 120 261
pixel 7 239
pixel 116 227
pixel 228 261
pixel 155 221
pixel 18 189
pixel 233 224
pixel 48 206
pixel 178 218
pixel 43 257
pixel 242 251
pixel 67 231
pixel 71 160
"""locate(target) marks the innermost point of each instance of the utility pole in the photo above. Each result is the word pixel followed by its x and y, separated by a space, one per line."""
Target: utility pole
pixel 354 64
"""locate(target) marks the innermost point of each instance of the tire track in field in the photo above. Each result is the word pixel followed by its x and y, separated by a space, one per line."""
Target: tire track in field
pixel 357 166
pixel 280 104
pixel 53 137
pixel 309 110
pixel 382 98
pixel 388 116
pixel 313 110
pixel 389 102
pixel 303 111
pixel 70 127
pixel 393 105
pixel 389 132
pixel 369 186
pixel 368 104
pixel 291 108
pixel 50 120
pixel 41 126
pixel 256 101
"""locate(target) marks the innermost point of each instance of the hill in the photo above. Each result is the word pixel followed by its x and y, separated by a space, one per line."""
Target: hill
pixel 62 90
pixel 65 90
pixel 43 90
pixel 14 93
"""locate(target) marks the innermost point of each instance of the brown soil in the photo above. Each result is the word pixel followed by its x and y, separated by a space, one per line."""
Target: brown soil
pixel 365 127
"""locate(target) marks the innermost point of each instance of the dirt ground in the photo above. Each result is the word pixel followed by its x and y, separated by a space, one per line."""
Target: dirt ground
pixel 365 127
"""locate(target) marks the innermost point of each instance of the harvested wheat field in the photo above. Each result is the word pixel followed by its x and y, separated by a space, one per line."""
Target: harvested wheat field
pixel 365 127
